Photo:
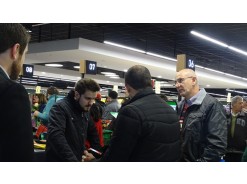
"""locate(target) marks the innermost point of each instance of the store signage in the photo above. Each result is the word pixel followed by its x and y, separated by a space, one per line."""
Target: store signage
pixel 91 67
pixel 184 61
pixel 190 63
pixel 27 70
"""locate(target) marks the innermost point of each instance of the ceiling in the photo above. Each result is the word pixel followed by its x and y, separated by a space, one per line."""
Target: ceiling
pixel 165 39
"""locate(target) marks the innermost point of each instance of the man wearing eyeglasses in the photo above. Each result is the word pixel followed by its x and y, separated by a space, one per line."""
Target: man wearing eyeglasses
pixel 202 119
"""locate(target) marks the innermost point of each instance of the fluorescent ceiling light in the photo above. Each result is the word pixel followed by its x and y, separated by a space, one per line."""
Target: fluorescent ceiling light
pixel 219 43
pixel 77 67
pixel 111 75
pixel 123 46
pixel 160 56
pixel 238 50
pixel 240 92
pixel 54 65
pixel 217 94
pixel 209 39
pixel 108 73
pixel 165 85
pixel 115 77
pixel 138 50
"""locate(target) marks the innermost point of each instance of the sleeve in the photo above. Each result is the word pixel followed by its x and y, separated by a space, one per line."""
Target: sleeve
pixel 216 139
pixel 56 134
pixel 106 113
pixel 125 136
pixel 45 114
pixel 16 135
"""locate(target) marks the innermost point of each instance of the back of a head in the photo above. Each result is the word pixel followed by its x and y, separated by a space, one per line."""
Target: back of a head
pixel 98 96
pixel 42 98
pixel 138 77
pixel 52 90
pixel 86 84
pixel 113 94
pixel 10 34
pixel 96 112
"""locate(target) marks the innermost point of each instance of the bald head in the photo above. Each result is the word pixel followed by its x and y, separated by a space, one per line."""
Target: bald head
pixel 186 83
pixel 187 73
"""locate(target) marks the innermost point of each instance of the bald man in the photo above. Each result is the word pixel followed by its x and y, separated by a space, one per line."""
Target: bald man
pixel 202 120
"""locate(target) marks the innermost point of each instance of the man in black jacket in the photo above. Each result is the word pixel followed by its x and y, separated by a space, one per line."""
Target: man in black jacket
pixel 236 131
pixel 16 139
pixel 203 120
pixel 69 125
pixel 147 129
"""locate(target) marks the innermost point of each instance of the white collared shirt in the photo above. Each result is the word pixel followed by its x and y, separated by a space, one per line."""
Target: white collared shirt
pixel 5 71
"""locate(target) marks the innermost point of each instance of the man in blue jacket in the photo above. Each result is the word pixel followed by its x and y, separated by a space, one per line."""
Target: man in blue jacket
pixel 16 138
pixel 147 128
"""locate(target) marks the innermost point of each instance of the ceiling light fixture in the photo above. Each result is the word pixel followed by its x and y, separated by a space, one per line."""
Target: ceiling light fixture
pixel 235 91
pixel 219 42
pixel 114 77
pixel 231 75
pixel 160 56
pixel 238 50
pixel 217 94
pixel 54 65
pixel 208 38
pixel 138 50
pixel 111 75
pixel 123 46
pixel 108 73
pixel 77 67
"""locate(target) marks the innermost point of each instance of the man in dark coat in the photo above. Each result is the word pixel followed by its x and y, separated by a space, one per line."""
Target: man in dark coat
pixel 16 139
pixel 203 121
pixel 69 125
pixel 147 129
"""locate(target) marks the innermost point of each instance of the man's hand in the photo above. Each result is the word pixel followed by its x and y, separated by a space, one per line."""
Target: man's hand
pixel 87 157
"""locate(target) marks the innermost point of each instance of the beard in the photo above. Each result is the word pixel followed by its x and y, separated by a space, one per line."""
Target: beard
pixel 15 69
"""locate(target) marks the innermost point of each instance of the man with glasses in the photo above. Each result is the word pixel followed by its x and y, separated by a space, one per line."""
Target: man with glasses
pixel 69 125
pixel 202 119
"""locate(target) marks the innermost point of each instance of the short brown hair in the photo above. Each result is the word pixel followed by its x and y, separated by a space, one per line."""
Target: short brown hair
pixel 86 84
pixel 52 90
pixel 11 34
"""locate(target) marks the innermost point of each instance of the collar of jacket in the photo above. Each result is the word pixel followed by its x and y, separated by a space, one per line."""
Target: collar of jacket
pixel 145 92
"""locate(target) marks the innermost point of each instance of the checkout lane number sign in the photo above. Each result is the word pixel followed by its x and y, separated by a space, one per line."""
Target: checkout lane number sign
pixel 91 67
pixel 28 70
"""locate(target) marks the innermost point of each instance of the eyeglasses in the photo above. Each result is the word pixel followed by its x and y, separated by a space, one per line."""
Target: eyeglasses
pixel 181 80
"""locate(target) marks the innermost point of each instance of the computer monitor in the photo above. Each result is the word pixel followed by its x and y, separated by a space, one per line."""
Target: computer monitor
pixel 173 104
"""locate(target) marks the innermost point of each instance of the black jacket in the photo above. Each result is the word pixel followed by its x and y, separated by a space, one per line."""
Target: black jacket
pixel 16 138
pixel 238 141
pixel 204 131
pixel 68 128
pixel 147 129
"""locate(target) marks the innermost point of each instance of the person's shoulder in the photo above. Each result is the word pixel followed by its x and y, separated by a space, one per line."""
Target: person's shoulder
pixel 14 87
